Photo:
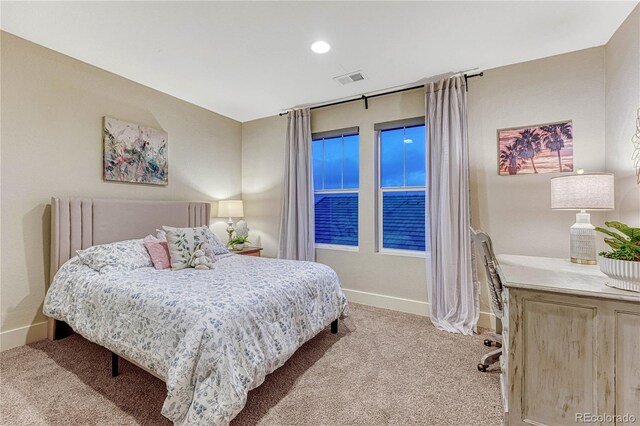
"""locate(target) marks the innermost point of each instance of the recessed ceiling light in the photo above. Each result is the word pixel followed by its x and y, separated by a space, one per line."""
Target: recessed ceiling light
pixel 320 46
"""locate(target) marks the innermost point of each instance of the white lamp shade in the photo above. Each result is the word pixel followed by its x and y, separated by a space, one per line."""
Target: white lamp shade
pixel 230 208
pixel 589 191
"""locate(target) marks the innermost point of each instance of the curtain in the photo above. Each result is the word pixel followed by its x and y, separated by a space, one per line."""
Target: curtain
pixel 297 222
pixel 453 288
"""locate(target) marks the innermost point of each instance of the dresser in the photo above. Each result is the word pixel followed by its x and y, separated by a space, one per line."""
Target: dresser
pixel 571 345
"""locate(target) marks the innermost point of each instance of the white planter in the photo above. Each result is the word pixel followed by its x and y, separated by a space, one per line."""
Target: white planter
pixel 238 246
pixel 624 274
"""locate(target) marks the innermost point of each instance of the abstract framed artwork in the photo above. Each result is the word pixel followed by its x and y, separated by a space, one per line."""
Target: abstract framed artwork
pixel 542 148
pixel 134 153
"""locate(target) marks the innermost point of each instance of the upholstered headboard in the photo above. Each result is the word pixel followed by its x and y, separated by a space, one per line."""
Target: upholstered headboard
pixel 78 223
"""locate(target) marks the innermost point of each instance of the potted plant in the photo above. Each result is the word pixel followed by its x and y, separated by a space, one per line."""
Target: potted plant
pixel 238 242
pixel 622 264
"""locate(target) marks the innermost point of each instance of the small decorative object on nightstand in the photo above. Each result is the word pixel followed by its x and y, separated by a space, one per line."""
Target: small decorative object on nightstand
pixel 230 208
pixel 248 251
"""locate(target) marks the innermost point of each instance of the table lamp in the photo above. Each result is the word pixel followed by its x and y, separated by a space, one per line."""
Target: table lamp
pixel 230 208
pixel 583 191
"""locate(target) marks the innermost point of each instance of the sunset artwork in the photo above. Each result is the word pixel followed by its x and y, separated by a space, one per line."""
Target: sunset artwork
pixel 544 148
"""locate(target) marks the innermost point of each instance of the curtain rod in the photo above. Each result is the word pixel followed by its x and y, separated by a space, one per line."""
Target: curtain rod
pixel 391 92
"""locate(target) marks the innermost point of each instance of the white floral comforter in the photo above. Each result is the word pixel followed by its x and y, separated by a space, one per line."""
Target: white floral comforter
pixel 213 335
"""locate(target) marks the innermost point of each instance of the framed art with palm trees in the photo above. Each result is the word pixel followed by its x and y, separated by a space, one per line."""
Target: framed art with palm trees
pixel 542 148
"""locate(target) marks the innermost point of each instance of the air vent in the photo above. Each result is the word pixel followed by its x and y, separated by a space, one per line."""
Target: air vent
pixel 352 77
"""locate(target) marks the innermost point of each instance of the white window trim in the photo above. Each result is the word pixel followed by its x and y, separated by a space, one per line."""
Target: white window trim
pixel 380 249
pixel 338 247
pixel 331 134
pixel 405 253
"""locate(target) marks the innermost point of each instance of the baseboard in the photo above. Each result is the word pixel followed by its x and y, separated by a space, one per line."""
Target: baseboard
pixel 417 307
pixel 22 335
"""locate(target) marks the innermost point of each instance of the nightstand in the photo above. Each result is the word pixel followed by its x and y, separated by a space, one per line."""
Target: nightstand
pixel 248 251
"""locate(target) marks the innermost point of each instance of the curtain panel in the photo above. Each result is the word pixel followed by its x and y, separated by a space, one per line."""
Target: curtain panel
pixel 453 288
pixel 297 221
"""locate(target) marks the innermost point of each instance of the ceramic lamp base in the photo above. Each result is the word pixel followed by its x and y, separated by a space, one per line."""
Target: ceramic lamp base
pixel 230 229
pixel 583 240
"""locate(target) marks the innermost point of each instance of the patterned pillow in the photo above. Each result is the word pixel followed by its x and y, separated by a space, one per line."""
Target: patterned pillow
pixel 183 242
pixel 214 243
pixel 123 255
pixel 217 248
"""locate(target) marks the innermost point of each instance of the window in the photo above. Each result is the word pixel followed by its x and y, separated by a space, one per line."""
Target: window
pixel 336 168
pixel 402 186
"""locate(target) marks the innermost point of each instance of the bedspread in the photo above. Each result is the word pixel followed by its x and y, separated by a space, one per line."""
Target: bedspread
pixel 212 335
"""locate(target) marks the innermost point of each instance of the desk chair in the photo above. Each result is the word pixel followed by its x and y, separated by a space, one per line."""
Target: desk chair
pixel 485 249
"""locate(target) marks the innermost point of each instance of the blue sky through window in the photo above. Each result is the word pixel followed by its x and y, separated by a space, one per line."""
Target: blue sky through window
pixel 336 162
pixel 402 157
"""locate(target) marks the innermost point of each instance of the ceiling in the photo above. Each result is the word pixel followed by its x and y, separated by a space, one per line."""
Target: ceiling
pixel 248 60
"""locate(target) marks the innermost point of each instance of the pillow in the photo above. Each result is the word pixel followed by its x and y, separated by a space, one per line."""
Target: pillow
pixel 183 242
pixel 215 245
pixel 159 252
pixel 123 255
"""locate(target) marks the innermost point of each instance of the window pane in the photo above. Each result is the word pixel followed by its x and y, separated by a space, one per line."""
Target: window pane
pixel 333 163
pixel 316 151
pixel 415 155
pixel 403 220
pixel 351 161
pixel 337 219
pixel 392 158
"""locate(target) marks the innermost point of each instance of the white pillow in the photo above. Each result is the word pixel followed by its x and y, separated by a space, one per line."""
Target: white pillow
pixel 183 242
pixel 123 255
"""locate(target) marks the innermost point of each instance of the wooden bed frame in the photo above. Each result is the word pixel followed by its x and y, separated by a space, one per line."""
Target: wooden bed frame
pixel 79 223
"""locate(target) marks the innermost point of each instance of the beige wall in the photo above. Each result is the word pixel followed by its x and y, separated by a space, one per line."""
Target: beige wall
pixel 52 109
pixel 514 210
pixel 622 98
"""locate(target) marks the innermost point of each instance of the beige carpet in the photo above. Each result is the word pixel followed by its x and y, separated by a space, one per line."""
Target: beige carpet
pixel 384 368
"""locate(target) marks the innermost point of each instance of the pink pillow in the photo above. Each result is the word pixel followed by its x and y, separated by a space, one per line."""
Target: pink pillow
pixel 159 252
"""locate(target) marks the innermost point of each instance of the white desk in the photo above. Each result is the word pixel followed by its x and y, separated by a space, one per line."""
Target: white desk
pixel 572 344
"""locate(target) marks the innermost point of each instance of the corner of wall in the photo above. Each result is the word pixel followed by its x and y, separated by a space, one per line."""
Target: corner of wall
pixel 622 102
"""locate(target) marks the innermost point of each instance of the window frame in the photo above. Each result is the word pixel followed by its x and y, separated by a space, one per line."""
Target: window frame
pixel 350 131
pixel 380 191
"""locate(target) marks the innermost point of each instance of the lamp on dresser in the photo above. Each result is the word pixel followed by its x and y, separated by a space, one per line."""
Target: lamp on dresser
pixel 230 209
pixel 582 192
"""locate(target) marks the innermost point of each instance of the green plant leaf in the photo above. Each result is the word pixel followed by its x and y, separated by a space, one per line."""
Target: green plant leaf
pixel 625 247
pixel 612 234
pixel 632 233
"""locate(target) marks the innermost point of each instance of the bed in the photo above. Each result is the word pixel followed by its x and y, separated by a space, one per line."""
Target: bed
pixel 211 335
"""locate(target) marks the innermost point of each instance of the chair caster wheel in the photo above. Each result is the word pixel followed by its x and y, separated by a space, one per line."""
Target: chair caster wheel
pixel 482 367
pixel 487 342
